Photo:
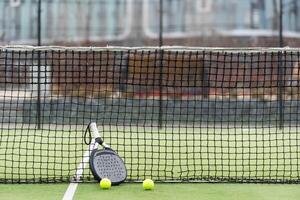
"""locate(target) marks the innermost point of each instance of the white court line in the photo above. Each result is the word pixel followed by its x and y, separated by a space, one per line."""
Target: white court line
pixel 73 186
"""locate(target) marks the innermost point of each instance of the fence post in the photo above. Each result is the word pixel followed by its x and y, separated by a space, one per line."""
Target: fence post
pixel 281 86
pixel 39 41
pixel 280 35
pixel 161 23
pixel 160 114
pixel 281 68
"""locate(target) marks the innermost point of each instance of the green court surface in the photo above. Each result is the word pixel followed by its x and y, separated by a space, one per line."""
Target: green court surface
pixel 164 191
pixel 166 154
pixel 171 153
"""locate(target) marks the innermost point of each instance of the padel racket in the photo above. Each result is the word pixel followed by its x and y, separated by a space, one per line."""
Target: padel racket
pixel 106 163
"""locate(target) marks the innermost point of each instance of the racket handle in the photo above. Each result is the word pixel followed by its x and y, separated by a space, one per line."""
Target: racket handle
pixel 98 139
pixel 94 129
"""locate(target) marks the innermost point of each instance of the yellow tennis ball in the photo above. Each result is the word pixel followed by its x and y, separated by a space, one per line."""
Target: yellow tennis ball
pixel 148 184
pixel 105 183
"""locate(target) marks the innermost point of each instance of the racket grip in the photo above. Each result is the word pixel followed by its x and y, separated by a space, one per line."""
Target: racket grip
pixel 98 139
pixel 94 129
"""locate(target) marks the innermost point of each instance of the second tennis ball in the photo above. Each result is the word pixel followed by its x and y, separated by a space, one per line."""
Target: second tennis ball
pixel 148 184
pixel 105 183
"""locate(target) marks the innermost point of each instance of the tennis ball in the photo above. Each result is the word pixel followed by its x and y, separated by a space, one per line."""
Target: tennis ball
pixel 148 184
pixel 105 183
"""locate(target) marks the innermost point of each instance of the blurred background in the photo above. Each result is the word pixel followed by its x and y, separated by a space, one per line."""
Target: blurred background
pixel 222 23
pixel 40 77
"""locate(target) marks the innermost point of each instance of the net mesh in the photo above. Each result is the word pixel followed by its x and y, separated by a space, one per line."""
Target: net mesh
pixel 172 113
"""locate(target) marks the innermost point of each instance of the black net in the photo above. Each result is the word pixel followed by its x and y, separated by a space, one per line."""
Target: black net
pixel 172 114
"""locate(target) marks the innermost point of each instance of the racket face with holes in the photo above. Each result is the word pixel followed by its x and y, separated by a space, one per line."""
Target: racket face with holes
pixel 106 163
